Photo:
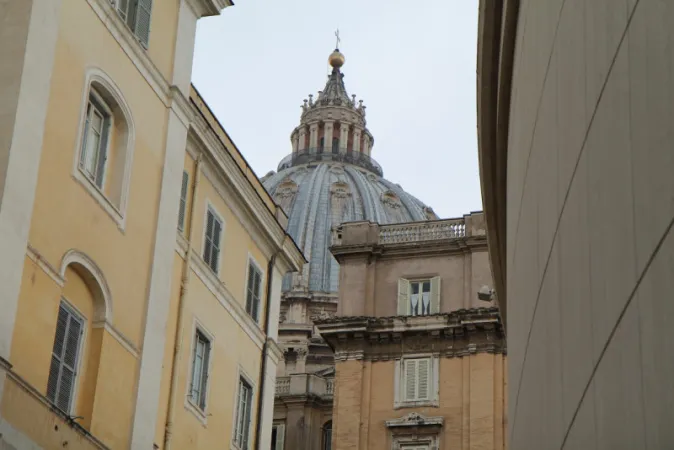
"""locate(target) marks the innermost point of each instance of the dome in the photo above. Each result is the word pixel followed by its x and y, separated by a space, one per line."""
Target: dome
pixel 330 178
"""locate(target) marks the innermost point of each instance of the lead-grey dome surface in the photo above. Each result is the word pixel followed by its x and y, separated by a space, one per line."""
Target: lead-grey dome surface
pixel 319 196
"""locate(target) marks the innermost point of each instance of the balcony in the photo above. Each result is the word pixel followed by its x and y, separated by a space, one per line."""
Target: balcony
pixel 422 231
pixel 325 155
pixel 304 384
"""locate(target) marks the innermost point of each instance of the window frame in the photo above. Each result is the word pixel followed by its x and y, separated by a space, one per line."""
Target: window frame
pixel 71 309
pixel 243 377
pixel 98 82
pixel 99 103
pixel 190 404
pixel 210 207
pixel 280 428
pixel 182 204
pixel 258 267
pixel 130 19
pixel 400 382
pixel 435 302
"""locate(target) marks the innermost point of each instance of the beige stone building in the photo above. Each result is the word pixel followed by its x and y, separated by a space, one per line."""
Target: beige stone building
pixel 419 358
pixel 575 109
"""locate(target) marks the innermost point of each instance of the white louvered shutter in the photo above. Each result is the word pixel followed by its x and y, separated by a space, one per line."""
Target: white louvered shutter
pixel 423 378
pixel 204 375
pixel 410 379
pixel 183 201
pixel 435 295
pixel 403 297
pixel 65 355
pixel 280 436
pixel 142 18
pixel 215 254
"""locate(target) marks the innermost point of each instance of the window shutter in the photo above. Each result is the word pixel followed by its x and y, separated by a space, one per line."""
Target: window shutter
pixel 204 375
pixel 403 297
pixel 183 201
pixel 102 153
pixel 423 383
pixel 193 384
pixel 215 252
pixel 250 289
pixel 410 379
pixel 280 436
pixel 208 239
pixel 256 293
pixel 57 352
pixel 142 17
pixel 435 295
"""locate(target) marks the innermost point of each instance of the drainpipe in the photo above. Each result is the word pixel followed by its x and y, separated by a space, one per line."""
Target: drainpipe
pixel 177 346
pixel 265 349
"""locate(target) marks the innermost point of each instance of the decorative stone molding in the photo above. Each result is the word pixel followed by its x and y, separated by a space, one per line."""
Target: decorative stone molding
pixel 415 430
pixel 414 419
pixel 450 335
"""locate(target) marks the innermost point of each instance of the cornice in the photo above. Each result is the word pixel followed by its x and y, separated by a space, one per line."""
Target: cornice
pixel 205 8
pixel 460 333
pixel 225 175
pixel 454 246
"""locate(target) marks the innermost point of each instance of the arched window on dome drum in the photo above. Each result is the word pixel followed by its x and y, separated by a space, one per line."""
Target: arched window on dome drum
pixel 321 145
pixel 335 145
pixel 327 436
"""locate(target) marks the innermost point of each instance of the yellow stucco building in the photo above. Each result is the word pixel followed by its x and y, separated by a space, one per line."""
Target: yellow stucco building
pixel 140 257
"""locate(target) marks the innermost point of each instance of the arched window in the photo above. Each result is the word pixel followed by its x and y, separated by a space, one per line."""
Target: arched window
pixel 105 144
pixel 335 145
pixel 84 308
pixel 327 436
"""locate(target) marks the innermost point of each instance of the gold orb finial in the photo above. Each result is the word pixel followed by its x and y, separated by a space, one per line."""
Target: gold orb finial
pixel 336 59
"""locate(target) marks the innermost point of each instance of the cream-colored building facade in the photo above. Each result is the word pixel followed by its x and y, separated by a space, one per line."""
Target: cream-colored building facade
pixel 140 257
pixel 575 109
pixel 419 357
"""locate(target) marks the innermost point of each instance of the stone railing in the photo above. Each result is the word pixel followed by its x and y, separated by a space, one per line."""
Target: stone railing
pixel 282 385
pixel 304 384
pixel 422 231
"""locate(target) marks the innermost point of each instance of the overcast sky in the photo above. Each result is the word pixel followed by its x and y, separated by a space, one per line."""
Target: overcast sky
pixel 412 62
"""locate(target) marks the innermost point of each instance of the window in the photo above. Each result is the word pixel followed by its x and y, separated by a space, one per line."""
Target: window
pixel 65 358
pixel 321 145
pixel 94 151
pixel 200 360
pixel 327 435
pixel 136 14
pixel 243 407
pixel 253 288
pixel 103 155
pixel 335 145
pixel 183 201
pixel 277 436
pixel 212 239
pixel 418 297
pixel 416 381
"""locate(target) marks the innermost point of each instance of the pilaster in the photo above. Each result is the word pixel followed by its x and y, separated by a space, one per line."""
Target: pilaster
pixel 28 34
pixel 313 135
pixel 356 139
pixel 302 139
pixel 344 137
pixel 327 134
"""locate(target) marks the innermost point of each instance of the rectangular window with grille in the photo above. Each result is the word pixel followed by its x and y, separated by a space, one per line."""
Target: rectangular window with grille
pixel 183 201
pixel 201 354
pixel 212 238
pixel 243 411
pixel 65 358
pixel 253 291
pixel 137 15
